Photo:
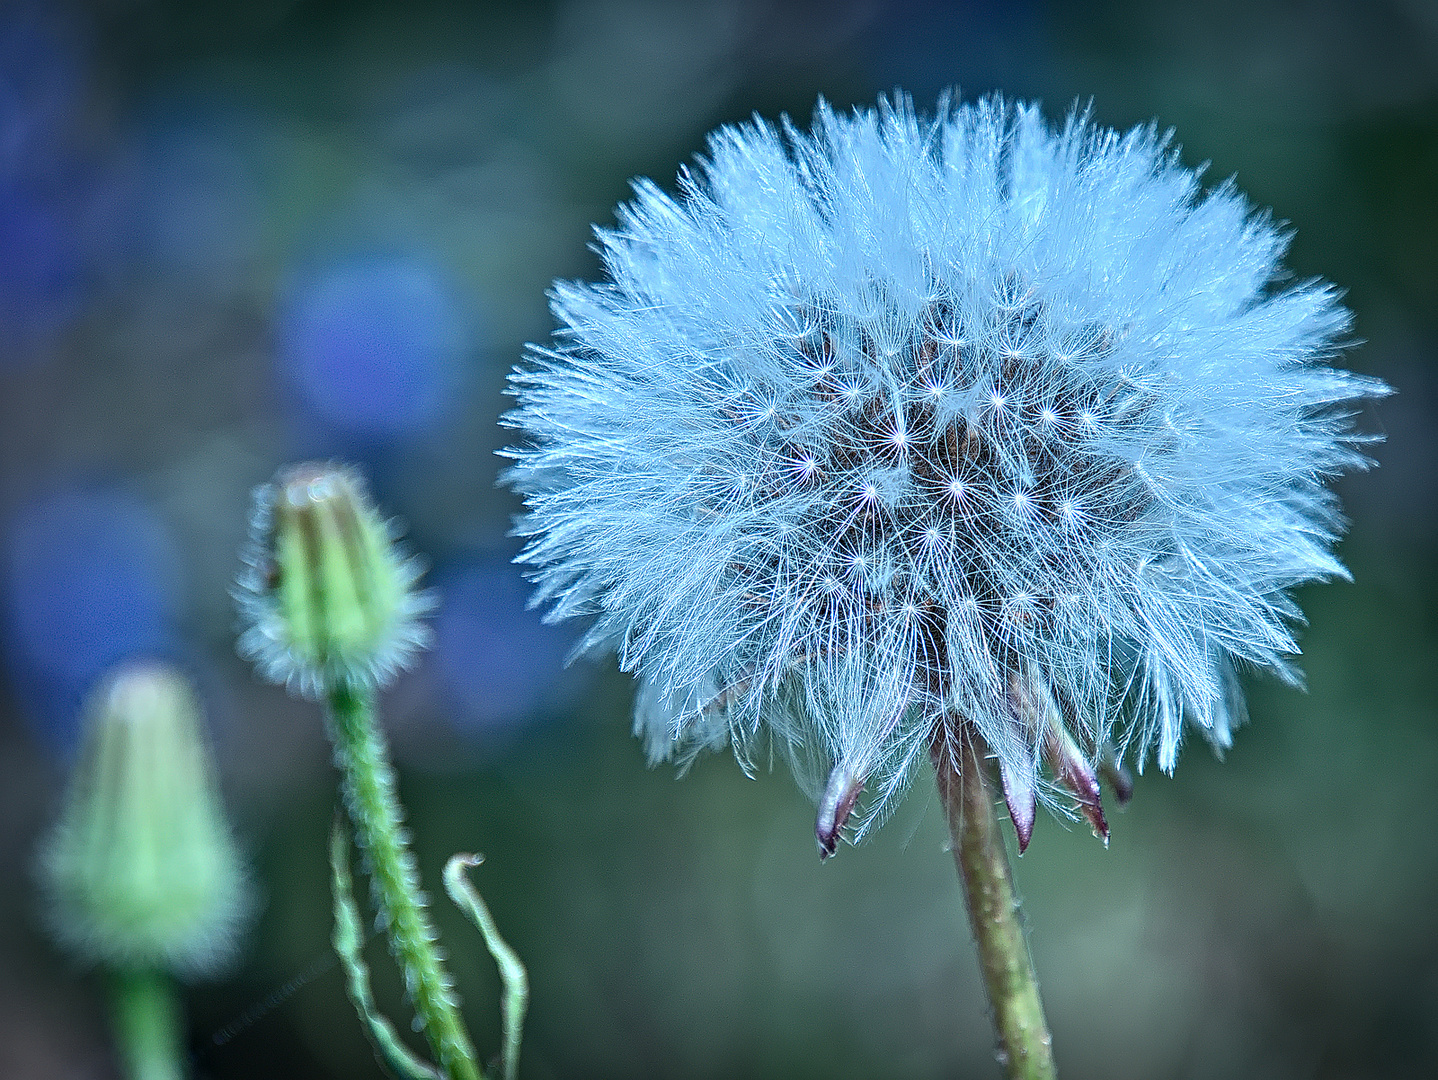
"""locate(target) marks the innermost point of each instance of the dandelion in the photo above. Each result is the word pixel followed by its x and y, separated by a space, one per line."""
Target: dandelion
pixel 911 423
pixel 937 437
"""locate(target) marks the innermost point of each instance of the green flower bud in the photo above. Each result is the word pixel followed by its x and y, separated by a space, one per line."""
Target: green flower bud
pixel 141 870
pixel 328 595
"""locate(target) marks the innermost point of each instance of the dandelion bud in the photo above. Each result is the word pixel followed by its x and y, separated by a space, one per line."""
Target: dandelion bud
pixel 328 596
pixel 141 870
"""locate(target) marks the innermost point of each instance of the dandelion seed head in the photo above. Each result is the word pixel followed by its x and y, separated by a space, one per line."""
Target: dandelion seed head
pixel 1044 447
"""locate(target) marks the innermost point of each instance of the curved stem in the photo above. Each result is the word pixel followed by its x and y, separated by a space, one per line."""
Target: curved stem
pixel 146 1014
pixel 1025 1046
pixel 374 809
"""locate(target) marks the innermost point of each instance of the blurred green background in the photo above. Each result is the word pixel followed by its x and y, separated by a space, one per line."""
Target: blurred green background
pixel 234 235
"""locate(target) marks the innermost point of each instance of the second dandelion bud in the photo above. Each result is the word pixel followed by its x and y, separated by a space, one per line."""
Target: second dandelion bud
pixel 328 597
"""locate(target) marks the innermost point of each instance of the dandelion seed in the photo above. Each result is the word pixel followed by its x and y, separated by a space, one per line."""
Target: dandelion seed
pixel 981 325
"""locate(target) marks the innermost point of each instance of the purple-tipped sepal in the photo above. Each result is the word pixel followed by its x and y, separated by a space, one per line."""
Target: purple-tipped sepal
pixel 840 794
pixel 1118 777
pixel 1073 770
pixel 1021 797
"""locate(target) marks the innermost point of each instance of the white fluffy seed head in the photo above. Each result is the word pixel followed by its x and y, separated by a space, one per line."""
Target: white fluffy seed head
pixel 1000 398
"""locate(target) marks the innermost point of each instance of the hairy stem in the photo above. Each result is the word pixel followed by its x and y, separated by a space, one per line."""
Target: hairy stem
pixel 369 791
pixel 1025 1048
pixel 146 1014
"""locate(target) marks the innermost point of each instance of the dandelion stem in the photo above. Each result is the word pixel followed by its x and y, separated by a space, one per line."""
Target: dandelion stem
pixel 147 1025
pixel 1025 1047
pixel 369 791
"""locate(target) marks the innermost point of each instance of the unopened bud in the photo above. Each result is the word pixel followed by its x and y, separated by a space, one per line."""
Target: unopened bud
pixel 141 871
pixel 329 598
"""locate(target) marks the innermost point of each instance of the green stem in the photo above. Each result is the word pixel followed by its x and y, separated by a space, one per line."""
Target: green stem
pixel 1025 1047
pixel 369 791
pixel 147 1025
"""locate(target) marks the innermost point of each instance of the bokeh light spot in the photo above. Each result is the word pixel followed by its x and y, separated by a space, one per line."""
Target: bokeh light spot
pixel 90 578
pixel 374 345
pixel 499 663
